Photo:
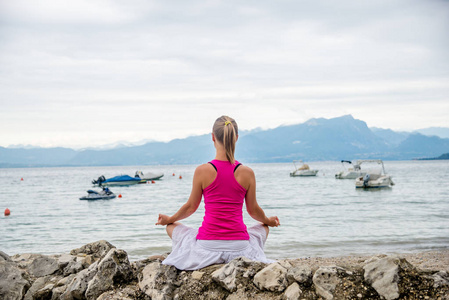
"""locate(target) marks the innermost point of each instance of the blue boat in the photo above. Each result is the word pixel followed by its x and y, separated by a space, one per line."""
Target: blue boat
pixel 117 180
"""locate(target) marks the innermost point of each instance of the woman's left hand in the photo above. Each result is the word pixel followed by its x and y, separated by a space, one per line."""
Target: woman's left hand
pixel 273 222
pixel 163 220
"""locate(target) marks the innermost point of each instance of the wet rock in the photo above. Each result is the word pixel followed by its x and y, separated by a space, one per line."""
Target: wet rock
pixel 12 284
pixel 97 249
pixel 383 275
pixel 325 280
pixel 158 281
pixel 272 278
pixel 112 270
pixel 226 276
pixel 293 292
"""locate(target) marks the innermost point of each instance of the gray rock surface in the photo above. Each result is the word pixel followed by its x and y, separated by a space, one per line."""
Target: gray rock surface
pixel 43 266
pixel 293 292
pixel 110 276
pixel 96 249
pixel 301 274
pixel 383 275
pixel 272 278
pixel 226 276
pixel 325 280
pixel 158 281
pixel 113 269
pixel 12 284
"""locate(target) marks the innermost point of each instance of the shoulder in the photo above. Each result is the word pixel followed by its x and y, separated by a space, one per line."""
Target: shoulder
pixel 244 170
pixel 205 169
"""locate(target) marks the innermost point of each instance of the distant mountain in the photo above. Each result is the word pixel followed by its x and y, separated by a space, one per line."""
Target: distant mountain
pixel 317 139
pixel 392 138
pixel 441 132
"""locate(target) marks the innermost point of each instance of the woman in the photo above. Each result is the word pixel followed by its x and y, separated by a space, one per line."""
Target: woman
pixel 223 236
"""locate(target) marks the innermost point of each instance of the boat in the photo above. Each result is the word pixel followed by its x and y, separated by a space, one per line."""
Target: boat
pixel 148 176
pixel 303 170
pixel 350 173
pixel 374 178
pixel 117 180
pixel 104 194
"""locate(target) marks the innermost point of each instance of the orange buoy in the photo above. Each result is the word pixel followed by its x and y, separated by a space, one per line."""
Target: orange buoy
pixel 21 179
pixel 7 212
pixel 180 177
pixel 120 195
pixel 152 181
pixel 173 174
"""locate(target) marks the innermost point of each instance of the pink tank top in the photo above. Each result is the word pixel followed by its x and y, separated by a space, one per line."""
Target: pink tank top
pixel 223 202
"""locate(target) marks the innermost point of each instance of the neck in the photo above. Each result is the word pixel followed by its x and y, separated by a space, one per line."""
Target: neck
pixel 220 153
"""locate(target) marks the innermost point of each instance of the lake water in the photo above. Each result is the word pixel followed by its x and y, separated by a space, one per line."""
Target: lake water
pixel 320 216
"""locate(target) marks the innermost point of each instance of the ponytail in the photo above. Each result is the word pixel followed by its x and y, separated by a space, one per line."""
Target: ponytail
pixel 226 131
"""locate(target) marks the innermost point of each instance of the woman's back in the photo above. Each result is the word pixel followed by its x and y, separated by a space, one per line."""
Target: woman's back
pixel 223 199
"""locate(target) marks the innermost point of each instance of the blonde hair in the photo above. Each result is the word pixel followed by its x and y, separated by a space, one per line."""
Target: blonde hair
pixel 226 130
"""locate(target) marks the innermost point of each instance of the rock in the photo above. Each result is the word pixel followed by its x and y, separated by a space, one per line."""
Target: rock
pixel 12 284
pixel 112 270
pixel 43 266
pixel 44 293
pixel 4 257
pixel 293 292
pixel 226 276
pixel 37 285
pixel 325 280
pixel 301 274
pixel 126 293
pixel 158 280
pixel 272 278
pixel 197 275
pixel 97 249
pixel 383 275
pixel 440 278
pixel 78 286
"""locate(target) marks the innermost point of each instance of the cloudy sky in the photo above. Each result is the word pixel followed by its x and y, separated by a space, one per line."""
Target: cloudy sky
pixel 88 72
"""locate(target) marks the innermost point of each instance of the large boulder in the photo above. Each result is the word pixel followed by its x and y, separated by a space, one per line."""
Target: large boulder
pixel 383 275
pixel 325 280
pixel 43 266
pixel 272 278
pixel 158 280
pixel 113 269
pixel 227 275
pixel 12 284
pixel 96 249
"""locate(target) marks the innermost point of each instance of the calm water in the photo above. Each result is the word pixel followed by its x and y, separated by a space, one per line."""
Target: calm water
pixel 320 216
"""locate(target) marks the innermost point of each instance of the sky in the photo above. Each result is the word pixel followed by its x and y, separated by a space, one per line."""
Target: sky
pixel 88 73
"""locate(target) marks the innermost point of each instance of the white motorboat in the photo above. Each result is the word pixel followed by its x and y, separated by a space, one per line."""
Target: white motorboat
pixel 351 172
pixel 303 170
pixel 148 176
pixel 374 178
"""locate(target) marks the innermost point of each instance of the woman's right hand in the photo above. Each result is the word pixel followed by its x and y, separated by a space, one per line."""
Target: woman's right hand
pixel 273 222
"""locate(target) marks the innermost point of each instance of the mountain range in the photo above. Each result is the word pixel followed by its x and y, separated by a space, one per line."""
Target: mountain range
pixel 315 140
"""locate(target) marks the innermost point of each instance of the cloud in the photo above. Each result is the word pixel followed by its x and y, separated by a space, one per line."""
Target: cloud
pixel 145 69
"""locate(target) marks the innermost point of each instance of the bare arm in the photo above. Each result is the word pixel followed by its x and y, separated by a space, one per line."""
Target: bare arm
pixel 191 205
pixel 253 208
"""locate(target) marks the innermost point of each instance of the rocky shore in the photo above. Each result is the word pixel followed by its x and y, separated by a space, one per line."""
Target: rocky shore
pixel 100 271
